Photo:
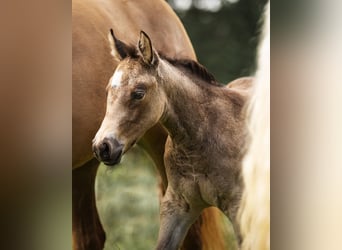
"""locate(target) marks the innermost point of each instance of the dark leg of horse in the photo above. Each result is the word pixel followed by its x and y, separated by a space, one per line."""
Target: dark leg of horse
pixel 237 231
pixel 87 230
pixel 232 214
pixel 153 143
pixel 176 217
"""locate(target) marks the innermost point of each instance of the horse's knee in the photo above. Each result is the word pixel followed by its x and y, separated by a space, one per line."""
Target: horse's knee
pixel 176 217
pixel 175 208
pixel 174 226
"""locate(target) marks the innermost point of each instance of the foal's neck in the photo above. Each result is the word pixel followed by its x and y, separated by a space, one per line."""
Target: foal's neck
pixel 186 106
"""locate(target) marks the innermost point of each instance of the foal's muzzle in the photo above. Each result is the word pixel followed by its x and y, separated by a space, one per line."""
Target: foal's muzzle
pixel 109 151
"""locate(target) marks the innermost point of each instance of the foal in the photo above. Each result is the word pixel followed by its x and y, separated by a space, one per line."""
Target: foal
pixel 206 131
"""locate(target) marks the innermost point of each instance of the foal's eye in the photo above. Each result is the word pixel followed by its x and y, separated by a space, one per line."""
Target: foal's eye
pixel 138 94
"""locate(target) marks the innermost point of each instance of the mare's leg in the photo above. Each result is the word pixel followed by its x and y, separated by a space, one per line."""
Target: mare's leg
pixel 87 230
pixel 153 142
pixel 176 217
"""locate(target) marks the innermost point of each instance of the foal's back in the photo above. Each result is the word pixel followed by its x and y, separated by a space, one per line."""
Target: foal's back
pixel 228 134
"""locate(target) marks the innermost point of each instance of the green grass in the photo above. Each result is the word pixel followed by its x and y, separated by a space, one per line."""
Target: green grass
pixel 127 200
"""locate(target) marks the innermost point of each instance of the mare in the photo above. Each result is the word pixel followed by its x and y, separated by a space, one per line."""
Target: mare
pixel 255 209
pixel 92 68
pixel 205 123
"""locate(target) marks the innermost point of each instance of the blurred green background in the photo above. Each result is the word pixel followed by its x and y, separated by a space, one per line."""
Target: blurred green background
pixel 225 36
pixel 127 198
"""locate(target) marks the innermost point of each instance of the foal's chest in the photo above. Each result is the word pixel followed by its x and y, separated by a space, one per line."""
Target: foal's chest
pixel 194 175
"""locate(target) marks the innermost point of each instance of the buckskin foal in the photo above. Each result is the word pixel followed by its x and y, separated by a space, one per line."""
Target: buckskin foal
pixel 205 126
pixel 92 66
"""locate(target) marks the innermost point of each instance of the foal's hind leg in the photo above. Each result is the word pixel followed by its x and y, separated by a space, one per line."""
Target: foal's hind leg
pixel 176 217
pixel 232 214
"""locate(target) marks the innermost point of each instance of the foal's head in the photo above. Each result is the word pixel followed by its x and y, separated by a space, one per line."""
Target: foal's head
pixel 134 101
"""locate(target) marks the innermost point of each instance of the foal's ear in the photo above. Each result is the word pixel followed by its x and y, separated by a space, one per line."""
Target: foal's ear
pixel 119 50
pixel 146 50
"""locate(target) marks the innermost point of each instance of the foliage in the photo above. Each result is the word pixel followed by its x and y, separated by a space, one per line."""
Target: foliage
pixel 127 199
pixel 225 41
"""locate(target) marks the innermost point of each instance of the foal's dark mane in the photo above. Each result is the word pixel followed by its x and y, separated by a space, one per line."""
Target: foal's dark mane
pixel 194 68
pixel 189 65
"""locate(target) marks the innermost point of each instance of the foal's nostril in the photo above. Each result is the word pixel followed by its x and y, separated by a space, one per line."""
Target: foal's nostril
pixel 108 151
pixel 104 151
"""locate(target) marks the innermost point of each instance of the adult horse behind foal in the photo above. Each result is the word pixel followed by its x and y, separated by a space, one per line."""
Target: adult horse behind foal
pixel 92 67
pixel 205 126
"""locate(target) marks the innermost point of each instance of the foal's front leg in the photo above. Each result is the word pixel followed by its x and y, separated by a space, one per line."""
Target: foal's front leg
pixel 176 217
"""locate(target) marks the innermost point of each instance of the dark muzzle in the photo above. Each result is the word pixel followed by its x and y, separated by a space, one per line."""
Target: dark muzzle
pixel 109 151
